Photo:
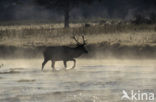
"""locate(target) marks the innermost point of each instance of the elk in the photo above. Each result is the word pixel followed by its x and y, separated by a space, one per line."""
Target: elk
pixel 64 53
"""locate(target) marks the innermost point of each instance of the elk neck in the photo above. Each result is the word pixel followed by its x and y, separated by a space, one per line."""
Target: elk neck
pixel 78 51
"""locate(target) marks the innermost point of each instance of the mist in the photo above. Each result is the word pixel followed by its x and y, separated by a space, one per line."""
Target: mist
pixel 121 55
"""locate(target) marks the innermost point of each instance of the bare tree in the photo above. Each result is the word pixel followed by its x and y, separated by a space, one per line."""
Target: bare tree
pixel 64 6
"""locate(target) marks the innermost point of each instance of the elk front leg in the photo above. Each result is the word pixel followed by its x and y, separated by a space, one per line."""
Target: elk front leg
pixel 65 63
pixel 53 65
pixel 74 63
pixel 43 64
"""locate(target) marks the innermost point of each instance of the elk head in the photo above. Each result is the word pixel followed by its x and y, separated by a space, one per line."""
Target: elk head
pixel 81 46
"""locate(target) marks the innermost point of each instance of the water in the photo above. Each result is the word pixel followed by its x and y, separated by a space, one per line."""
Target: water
pixel 92 80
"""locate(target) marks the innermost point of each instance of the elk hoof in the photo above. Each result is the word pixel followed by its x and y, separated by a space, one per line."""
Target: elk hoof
pixel 73 67
pixel 54 70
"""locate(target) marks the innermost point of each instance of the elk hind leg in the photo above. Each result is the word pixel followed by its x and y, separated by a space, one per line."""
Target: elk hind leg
pixel 65 63
pixel 53 65
pixel 44 62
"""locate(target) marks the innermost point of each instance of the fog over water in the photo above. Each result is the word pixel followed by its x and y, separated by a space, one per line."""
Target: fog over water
pixel 92 80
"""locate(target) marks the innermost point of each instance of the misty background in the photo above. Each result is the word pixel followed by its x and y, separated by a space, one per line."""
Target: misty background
pixel 116 9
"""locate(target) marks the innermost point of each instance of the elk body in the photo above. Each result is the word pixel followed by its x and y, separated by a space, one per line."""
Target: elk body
pixel 64 53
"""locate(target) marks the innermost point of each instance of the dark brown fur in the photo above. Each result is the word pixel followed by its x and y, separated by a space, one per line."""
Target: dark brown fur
pixel 63 53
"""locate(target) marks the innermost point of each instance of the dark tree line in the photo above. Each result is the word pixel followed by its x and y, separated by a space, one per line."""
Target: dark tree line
pixel 7 7
pixel 144 19
pixel 64 6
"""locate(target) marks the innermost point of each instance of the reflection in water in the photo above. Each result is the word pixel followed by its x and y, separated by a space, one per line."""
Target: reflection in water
pixel 92 80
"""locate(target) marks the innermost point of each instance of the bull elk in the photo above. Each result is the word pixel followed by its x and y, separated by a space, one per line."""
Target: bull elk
pixel 64 53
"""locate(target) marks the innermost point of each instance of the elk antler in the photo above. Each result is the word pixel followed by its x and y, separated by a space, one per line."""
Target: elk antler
pixel 75 39
pixel 84 41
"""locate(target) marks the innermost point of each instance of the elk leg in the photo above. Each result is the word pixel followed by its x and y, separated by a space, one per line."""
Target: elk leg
pixel 74 63
pixel 44 62
pixel 53 65
pixel 65 64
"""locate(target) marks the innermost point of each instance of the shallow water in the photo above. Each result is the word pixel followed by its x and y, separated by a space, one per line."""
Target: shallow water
pixel 92 80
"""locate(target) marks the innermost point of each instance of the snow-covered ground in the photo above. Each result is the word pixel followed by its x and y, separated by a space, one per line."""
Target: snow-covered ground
pixel 92 81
